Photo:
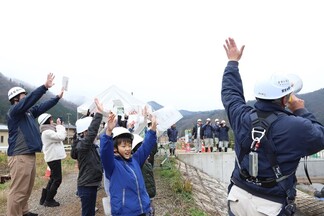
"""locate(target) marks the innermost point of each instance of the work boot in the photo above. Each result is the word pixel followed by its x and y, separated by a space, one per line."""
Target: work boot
pixel 211 149
pixel 220 149
pixel 225 149
pixel 30 214
pixel 50 201
pixel 43 197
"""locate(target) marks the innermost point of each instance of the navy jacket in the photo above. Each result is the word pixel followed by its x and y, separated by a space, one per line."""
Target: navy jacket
pixel 24 134
pixel 208 130
pixel 127 188
pixel 294 136
pixel 172 134
pixel 223 133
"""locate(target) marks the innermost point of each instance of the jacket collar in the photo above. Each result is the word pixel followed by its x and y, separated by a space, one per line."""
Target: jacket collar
pixel 269 107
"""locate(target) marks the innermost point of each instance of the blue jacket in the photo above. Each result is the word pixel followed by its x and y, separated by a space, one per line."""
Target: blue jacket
pixel 127 188
pixel 208 130
pixel 294 136
pixel 24 134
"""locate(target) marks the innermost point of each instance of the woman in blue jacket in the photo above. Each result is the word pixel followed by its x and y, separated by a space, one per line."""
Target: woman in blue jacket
pixel 127 188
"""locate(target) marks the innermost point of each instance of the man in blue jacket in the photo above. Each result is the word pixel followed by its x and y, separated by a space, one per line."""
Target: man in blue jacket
pixel 24 141
pixel 263 180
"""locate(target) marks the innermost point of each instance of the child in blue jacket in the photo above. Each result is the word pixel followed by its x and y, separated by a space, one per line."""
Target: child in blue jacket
pixel 127 188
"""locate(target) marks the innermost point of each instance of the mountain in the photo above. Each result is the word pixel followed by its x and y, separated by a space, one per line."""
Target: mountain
pixel 64 109
pixel 314 102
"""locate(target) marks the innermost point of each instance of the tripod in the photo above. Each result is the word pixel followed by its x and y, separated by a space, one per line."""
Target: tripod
pixel 166 162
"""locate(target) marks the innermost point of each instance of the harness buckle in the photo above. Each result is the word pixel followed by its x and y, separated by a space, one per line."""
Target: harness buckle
pixel 257 134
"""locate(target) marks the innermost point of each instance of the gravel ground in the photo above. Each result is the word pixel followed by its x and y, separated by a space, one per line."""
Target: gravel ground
pixel 165 201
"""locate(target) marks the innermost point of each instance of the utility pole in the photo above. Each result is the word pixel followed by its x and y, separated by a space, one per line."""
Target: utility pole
pixel 68 132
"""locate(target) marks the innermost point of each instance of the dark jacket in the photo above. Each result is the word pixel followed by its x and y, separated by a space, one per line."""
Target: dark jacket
pixel 148 176
pixel 24 134
pixel 172 134
pixel 90 168
pixel 127 188
pixel 208 130
pixel 194 132
pixel 223 133
pixel 294 136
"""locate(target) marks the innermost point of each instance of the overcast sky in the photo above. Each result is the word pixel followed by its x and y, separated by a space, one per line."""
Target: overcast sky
pixel 168 51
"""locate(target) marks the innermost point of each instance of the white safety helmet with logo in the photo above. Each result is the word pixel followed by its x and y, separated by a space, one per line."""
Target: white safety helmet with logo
pixel 13 92
pixel 43 118
pixel 272 88
pixel 117 131
pixel 137 140
pixel 83 124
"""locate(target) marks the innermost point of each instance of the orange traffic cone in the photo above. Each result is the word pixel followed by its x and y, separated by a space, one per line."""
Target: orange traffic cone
pixel 47 172
pixel 187 147
pixel 203 147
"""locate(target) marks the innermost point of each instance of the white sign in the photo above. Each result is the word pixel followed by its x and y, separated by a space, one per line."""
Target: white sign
pixel 65 83
pixel 166 117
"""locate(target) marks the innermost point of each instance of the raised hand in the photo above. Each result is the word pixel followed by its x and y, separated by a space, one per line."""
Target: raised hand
pixel 154 122
pixel 111 123
pixel 60 95
pixel 295 103
pixel 233 53
pixel 49 82
pixel 99 106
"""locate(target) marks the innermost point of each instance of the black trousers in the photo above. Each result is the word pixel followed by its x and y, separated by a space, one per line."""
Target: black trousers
pixel 56 176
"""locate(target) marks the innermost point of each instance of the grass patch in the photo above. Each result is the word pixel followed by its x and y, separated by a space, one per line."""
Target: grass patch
pixel 181 188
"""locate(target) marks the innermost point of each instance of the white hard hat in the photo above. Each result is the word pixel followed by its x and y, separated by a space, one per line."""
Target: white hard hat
pixel 13 92
pixel 199 120
pixel 216 120
pixel 121 130
pixel 83 124
pixel 137 140
pixel 43 118
pixel 296 82
pixel 223 121
pixel 208 119
pixel 275 87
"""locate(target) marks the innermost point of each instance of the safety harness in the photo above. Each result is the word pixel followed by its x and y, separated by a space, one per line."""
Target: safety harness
pixel 261 122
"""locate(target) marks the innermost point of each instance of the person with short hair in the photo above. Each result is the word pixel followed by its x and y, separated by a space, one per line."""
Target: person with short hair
pixel 24 141
pixel 263 180
pixel 172 133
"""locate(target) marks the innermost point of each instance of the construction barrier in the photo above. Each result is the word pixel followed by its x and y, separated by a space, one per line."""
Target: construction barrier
pixel 203 147
pixel 187 147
